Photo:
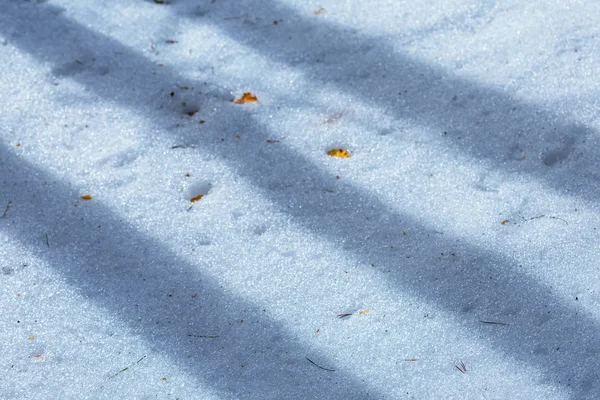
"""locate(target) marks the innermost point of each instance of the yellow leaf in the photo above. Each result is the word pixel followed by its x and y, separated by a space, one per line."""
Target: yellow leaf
pixel 363 312
pixel 86 197
pixel 247 98
pixel 341 153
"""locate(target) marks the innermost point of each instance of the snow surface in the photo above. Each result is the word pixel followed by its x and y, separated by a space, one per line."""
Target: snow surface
pixel 462 233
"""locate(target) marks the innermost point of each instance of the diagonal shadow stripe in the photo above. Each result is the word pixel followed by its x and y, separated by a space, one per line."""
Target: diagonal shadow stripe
pixel 481 122
pixel 150 288
pixel 482 282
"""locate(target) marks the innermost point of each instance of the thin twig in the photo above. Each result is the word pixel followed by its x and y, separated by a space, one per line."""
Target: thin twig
pixel 546 216
pixel 126 368
pixel 463 369
pixel 494 323
pixel 204 336
pixel 47 241
pixel 183 146
pixel 323 368
pixel 344 315
pixel 6 209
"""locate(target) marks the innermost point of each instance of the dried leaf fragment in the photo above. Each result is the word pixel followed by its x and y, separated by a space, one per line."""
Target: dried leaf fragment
pixel 319 11
pixel 341 153
pixel 246 98
pixel 196 198
pixel 333 118
pixel 504 222
pixel 363 312
pixel 86 197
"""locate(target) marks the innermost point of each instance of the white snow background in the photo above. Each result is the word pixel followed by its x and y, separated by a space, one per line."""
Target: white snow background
pixel 460 238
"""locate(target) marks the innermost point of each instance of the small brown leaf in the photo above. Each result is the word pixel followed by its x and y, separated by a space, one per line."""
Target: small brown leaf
pixel 504 222
pixel 196 198
pixel 246 98
pixel 340 153
pixel 86 197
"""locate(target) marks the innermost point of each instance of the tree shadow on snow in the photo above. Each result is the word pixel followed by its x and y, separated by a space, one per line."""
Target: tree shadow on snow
pixel 483 123
pixel 481 283
pixel 180 311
